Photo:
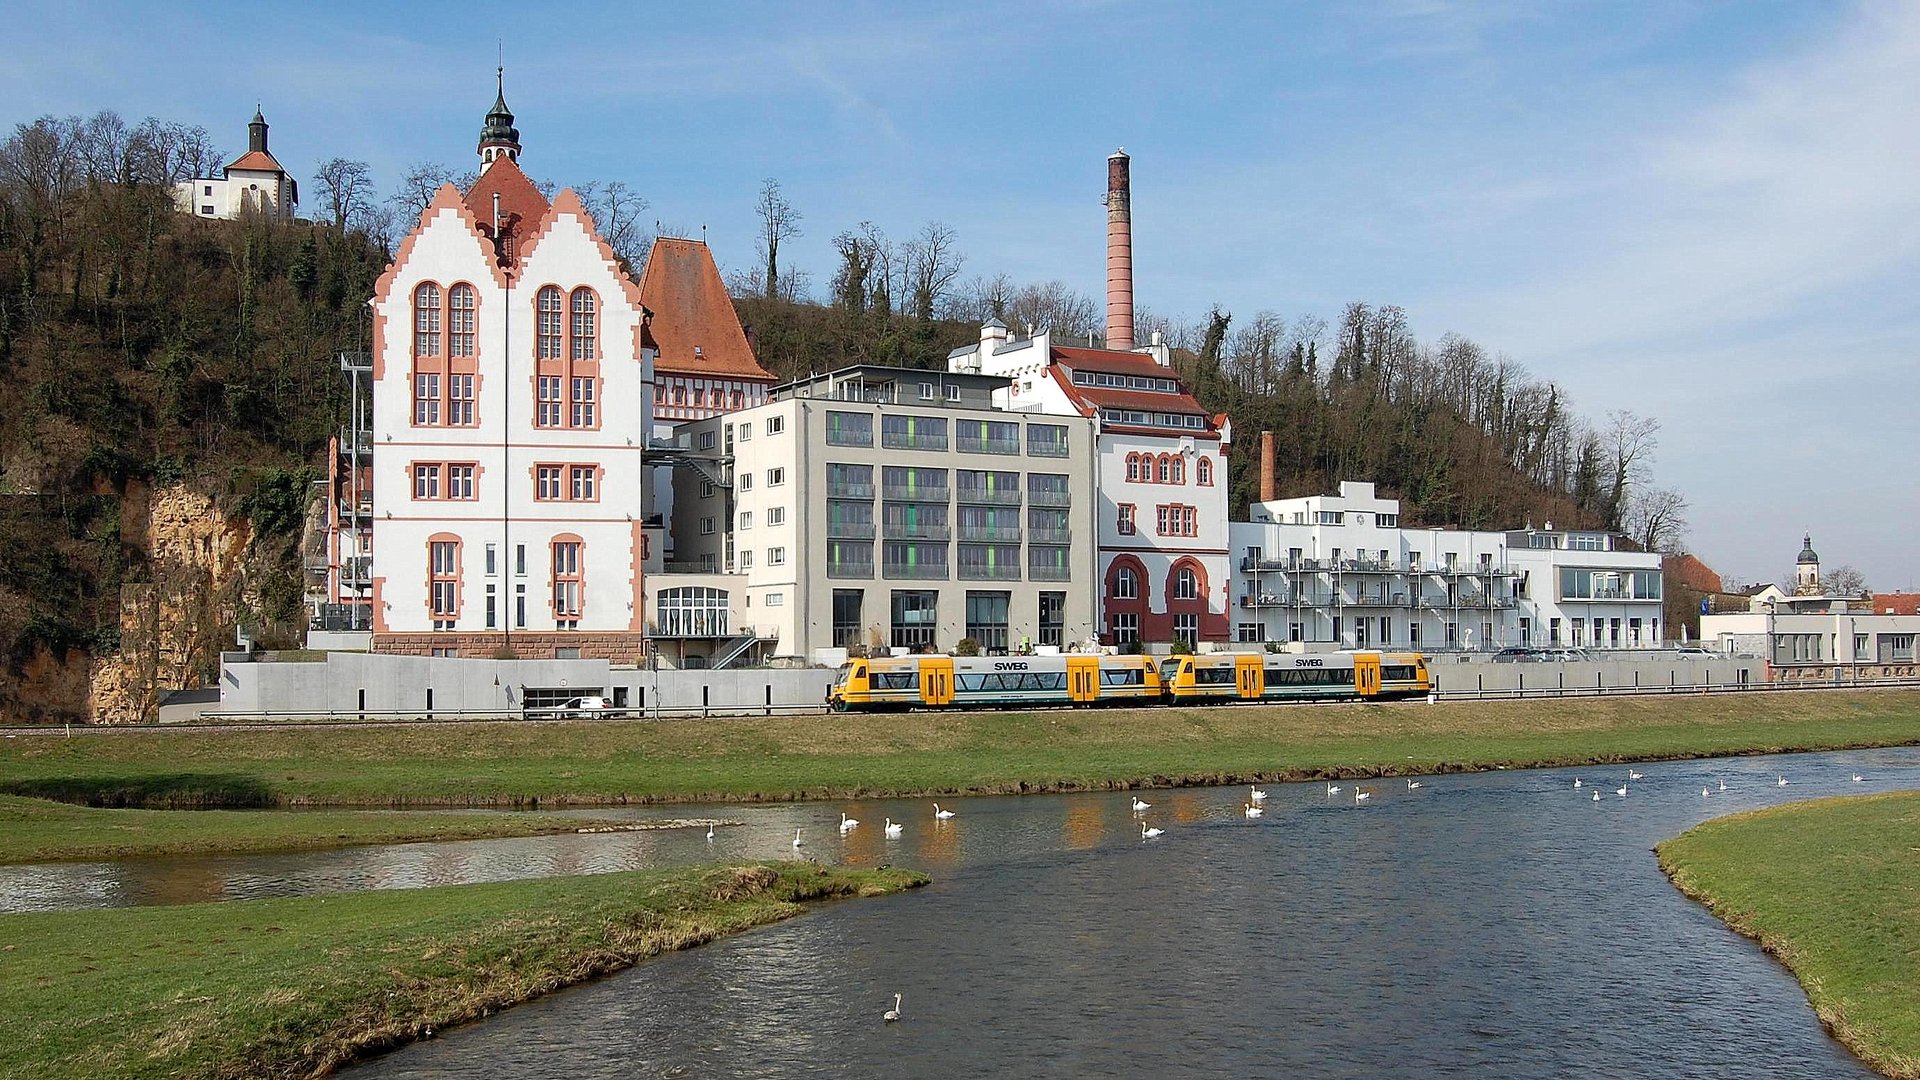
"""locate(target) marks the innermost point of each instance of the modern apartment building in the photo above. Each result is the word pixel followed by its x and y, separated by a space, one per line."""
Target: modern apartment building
pixel 1341 569
pixel 890 507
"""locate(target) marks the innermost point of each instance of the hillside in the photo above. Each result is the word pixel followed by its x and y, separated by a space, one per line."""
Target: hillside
pixel 155 364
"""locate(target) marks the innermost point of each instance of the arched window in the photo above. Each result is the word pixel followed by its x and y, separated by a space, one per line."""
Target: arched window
pixel 1164 470
pixel 585 325
pixel 461 303
pixel 426 319
pixel 1186 585
pixel 692 612
pixel 1133 467
pixel 1126 584
pixel 1203 472
pixel 1179 470
pixel 549 324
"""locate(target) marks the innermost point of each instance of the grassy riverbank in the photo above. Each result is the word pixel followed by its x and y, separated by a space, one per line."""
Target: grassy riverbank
pixel 37 830
pixel 1831 888
pixel 746 758
pixel 296 986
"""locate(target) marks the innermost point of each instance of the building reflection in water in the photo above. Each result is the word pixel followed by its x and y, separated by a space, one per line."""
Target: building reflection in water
pixel 1085 824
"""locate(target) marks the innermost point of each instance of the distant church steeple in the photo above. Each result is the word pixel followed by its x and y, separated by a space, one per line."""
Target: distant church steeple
pixel 257 132
pixel 499 136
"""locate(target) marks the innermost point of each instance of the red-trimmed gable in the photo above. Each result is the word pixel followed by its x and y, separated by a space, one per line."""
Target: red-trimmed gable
pixel 258 161
pixel 1897 603
pixel 691 310
pixel 521 205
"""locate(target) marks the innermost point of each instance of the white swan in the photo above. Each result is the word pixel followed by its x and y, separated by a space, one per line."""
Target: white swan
pixel 1413 785
pixel 848 824
pixel 1782 782
pixel 1857 778
pixel 1631 775
pixel 892 1014
pixel 1723 785
pixel 796 838
pixel 894 828
pixel 709 830
pixel 1256 795
pixel 1332 789
pixel 1253 811
pixel 941 814
pixel 1706 794
pixel 1596 796
pixel 1359 794
pixel 1148 834
pixel 1139 806
pixel 1621 791
pixel 1576 782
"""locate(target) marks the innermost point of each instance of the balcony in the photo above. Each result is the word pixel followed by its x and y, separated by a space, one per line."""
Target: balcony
pixel 693 624
pixel 849 530
pixel 899 530
pixel 922 493
pixel 915 571
pixel 1252 565
pixel 1049 573
pixel 982 572
pixel 893 440
pixel 1048 449
pixel 1049 498
pixel 988 446
pixel 990 496
pixel 850 568
pixel 1254 601
pixel 849 491
pixel 1050 536
pixel 1008 534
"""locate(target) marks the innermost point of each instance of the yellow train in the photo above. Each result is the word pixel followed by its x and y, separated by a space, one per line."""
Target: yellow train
pixel 949 682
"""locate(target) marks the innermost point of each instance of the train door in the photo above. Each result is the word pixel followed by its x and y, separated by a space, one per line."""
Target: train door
pixel 1366 674
pixel 1083 678
pixel 936 681
pixel 1249 677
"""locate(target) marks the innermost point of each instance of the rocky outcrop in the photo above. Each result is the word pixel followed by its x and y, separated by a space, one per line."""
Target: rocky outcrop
pixel 173 625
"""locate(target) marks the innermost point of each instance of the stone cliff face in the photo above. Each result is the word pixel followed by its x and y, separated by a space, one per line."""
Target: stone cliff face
pixel 172 626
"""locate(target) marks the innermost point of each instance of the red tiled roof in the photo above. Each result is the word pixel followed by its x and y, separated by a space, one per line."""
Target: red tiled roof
pixel 1694 574
pixel 257 160
pixel 521 204
pixel 1112 361
pixel 1899 603
pixel 691 309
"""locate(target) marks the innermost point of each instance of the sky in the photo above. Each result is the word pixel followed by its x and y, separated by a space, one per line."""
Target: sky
pixel 1705 213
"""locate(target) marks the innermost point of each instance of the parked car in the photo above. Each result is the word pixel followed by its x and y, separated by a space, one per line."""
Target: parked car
pixel 1514 655
pixel 592 706
pixel 1696 651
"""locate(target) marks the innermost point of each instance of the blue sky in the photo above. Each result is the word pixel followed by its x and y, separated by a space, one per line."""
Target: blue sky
pixel 1708 213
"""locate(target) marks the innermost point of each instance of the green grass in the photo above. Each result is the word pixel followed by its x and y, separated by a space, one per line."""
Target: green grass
pixel 295 987
pixel 747 758
pixel 1831 888
pixel 34 830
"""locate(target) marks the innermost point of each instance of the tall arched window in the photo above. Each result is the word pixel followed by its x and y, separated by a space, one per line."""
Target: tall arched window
pixel 426 319
pixel 1186 586
pixel 1133 467
pixel 549 325
pixel 1203 472
pixel 1179 470
pixel 585 337
pixel 1126 584
pixel 1164 470
pixel 461 304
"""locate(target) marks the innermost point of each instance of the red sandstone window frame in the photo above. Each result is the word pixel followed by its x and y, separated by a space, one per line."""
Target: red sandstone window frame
pixel 1125 521
pixel 443 580
pixel 567 558
pixel 1203 472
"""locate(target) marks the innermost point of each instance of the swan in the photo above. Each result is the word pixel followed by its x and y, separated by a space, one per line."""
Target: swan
pixel 1621 791
pixel 1413 785
pixel 1723 785
pixel 1332 789
pixel 1358 794
pixel 1596 796
pixel 1576 782
pixel 894 828
pixel 1857 778
pixel 892 1014
pixel 1256 795
pixel 1253 811
pixel 941 814
pixel 1705 794
pixel 1631 775
pixel 848 824
pixel 796 838
pixel 1782 782
pixel 709 830
pixel 1138 806
pixel 1148 834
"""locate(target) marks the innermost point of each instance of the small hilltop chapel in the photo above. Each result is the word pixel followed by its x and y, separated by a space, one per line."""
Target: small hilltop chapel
pixel 512 371
pixel 254 183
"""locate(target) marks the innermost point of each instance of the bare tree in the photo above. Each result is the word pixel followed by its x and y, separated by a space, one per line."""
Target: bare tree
pixel 616 210
pixel 419 183
pixel 1629 439
pixel 859 250
pixel 779 221
pixel 931 265
pixel 1657 519
pixel 345 188
pixel 1052 305
pixel 1844 580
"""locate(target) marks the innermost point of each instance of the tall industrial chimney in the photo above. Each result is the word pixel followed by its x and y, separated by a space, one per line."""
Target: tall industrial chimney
pixel 1268 487
pixel 1119 252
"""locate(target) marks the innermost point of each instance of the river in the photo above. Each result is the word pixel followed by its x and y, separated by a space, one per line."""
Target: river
pixel 1498 924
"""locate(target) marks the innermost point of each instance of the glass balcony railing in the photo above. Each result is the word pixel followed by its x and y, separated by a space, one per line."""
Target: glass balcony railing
pixel 915 571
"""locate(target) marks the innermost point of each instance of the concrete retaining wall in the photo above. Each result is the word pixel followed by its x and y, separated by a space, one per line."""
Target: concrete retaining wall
pixel 1466 675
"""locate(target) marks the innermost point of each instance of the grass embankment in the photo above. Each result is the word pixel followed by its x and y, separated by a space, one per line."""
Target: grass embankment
pixel 35 830
pixel 1831 888
pixel 295 987
pixel 917 753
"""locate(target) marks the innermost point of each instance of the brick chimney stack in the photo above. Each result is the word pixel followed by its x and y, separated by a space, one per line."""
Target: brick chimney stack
pixel 1268 485
pixel 1119 252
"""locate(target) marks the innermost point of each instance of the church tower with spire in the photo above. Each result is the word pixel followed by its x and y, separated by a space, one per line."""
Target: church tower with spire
pixel 499 138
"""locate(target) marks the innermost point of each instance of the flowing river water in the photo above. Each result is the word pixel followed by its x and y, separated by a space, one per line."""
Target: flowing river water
pixel 1497 924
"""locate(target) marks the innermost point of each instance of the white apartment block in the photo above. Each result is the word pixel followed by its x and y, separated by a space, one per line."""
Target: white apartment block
pixel 254 183
pixel 511 374
pixel 1163 572
pixel 1810 636
pixel 883 508
pixel 1340 569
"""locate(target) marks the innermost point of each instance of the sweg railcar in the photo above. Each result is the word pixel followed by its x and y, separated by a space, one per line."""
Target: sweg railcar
pixel 948 682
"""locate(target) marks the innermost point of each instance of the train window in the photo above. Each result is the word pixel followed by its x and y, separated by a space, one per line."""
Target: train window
pixel 1400 672
pixel 1215 675
pixel 897 680
pixel 969 682
pixel 1122 677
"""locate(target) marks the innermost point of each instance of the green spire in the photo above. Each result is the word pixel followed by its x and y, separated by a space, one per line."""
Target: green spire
pixel 499 129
